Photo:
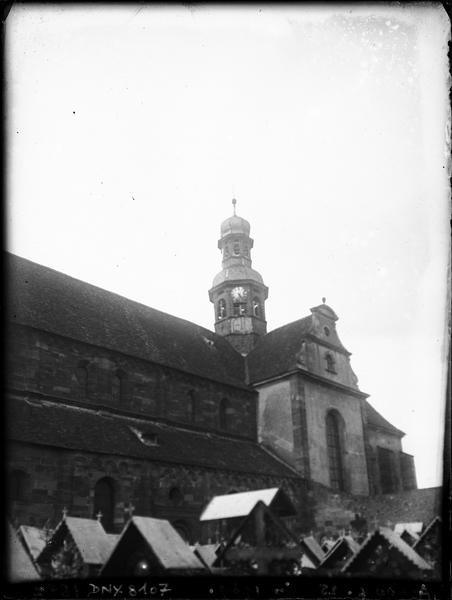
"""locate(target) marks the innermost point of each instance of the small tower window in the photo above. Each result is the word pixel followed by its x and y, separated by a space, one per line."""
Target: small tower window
pixel 236 248
pixel 330 363
pixel 256 307
pixel 239 309
pixel 221 309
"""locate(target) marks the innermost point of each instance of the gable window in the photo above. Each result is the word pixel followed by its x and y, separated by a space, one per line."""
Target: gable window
pixel 104 502
pixel 256 307
pixel 221 309
pixel 330 363
pixel 191 408
pixel 223 414
pixel 335 450
pixel 18 485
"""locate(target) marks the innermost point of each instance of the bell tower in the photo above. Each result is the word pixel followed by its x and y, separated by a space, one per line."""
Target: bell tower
pixel 238 292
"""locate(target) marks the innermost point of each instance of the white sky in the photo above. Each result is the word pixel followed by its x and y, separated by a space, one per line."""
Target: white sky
pixel 130 128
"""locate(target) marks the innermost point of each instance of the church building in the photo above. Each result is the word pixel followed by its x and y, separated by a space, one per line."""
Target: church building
pixel 115 408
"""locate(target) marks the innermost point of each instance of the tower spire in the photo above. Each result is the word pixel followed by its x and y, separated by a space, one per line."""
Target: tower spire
pixel 238 291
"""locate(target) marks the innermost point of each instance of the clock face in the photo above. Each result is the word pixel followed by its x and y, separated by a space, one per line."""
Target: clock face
pixel 238 293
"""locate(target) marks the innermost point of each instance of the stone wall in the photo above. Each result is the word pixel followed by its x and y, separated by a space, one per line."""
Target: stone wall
pixel 60 479
pixel 52 365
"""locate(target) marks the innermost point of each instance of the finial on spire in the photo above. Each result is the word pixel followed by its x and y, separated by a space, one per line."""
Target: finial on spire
pixel 324 300
pixel 65 511
pixel 234 202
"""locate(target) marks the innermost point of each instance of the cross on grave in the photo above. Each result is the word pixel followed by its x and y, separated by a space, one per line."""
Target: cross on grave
pixel 65 511
pixel 99 516
pixel 375 523
pixel 129 509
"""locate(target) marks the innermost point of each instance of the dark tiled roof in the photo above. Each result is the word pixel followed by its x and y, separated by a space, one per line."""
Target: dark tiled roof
pixel 374 419
pixel 276 352
pixel 74 428
pixel 46 299
pixel 395 541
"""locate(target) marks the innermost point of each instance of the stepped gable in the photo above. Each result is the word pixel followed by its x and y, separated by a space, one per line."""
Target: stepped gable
pixel 45 299
pixel 377 421
pixel 75 428
pixel 276 352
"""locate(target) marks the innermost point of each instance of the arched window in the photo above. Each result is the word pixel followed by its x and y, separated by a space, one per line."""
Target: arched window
pixel 221 309
pixel 104 502
pixel 256 307
pixel 18 486
pixel 175 496
pixel 223 413
pixel 183 529
pixel 82 378
pixel 191 409
pixel 335 450
pixel 236 248
pixel 330 362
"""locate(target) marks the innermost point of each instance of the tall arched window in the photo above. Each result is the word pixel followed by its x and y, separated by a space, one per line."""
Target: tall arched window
pixel 191 408
pixel 223 413
pixel 335 450
pixel 18 486
pixel 104 502
pixel 221 309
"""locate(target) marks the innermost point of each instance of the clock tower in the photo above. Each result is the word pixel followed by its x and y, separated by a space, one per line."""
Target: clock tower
pixel 238 292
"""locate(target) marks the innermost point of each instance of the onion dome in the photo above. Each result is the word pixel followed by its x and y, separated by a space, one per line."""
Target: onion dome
pixel 235 224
